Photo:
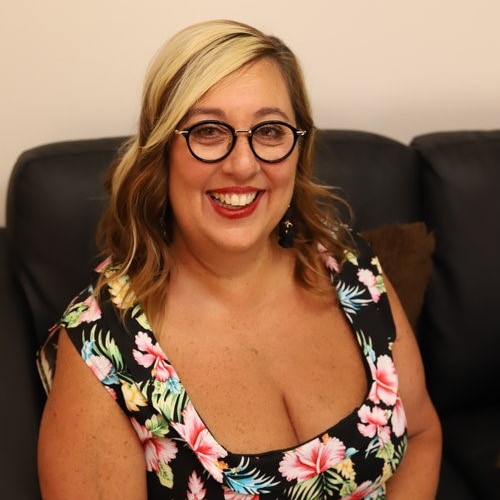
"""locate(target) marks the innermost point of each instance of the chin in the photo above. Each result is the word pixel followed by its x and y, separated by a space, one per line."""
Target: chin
pixel 240 244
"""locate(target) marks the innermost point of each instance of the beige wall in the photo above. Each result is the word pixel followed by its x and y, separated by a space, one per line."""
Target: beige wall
pixel 73 68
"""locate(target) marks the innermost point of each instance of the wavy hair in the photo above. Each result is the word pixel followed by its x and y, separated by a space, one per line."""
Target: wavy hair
pixel 134 230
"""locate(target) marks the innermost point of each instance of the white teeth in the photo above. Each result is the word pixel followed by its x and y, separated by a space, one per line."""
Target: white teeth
pixel 234 199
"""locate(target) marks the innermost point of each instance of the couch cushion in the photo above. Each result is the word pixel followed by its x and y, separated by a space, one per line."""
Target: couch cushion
pixel 460 333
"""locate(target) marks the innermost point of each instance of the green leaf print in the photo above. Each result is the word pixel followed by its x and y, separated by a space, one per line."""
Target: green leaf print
pixel 321 487
pixel 366 344
pixel 311 489
pixel 386 452
pixel 157 425
pixel 73 314
pixel 106 346
pixel 380 284
pixel 169 403
pixel 139 316
pixel 399 453
pixel 165 475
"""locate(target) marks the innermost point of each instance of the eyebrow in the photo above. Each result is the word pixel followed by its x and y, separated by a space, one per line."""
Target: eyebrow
pixel 204 111
pixel 219 113
pixel 271 111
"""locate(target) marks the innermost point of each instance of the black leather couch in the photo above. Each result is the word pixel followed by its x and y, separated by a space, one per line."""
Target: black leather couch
pixel 450 180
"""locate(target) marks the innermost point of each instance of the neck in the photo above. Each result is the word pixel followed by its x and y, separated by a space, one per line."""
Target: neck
pixel 237 275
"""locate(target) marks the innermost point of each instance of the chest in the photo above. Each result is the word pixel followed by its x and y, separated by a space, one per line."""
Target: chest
pixel 267 377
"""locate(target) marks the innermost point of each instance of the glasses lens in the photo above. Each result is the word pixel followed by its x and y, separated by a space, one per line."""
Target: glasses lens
pixel 273 141
pixel 210 141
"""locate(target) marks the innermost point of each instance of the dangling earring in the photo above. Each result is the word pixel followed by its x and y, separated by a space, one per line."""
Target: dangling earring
pixel 286 230
pixel 165 223
pixel 163 228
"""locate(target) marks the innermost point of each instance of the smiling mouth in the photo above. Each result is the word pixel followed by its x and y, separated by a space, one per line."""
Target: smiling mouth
pixel 234 200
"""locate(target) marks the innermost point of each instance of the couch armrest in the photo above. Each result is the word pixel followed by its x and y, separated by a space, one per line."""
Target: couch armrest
pixel 452 484
pixel 22 391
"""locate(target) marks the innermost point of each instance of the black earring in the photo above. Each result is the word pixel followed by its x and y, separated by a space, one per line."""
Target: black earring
pixel 166 224
pixel 286 230
pixel 163 228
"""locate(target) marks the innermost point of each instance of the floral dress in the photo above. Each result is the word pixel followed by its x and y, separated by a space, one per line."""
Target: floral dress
pixel 351 460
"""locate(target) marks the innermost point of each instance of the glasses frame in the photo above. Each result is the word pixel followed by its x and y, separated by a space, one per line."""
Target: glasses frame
pixel 297 133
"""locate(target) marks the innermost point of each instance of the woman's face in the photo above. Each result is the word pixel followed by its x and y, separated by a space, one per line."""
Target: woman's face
pixel 235 203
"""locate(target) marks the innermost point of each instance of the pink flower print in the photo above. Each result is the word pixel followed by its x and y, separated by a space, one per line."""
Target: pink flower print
pixel 111 392
pixel 196 490
pixel 92 311
pixel 197 436
pixel 362 491
pixel 398 419
pixel 368 279
pixel 79 312
pixel 232 495
pixel 152 355
pixel 312 458
pixel 385 381
pixel 374 422
pixel 100 366
pixel 156 449
pixel 329 261
pixel 103 265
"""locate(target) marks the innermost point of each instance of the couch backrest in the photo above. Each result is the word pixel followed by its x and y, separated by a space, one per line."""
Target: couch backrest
pixel 460 328
pixel 56 195
pixel 379 176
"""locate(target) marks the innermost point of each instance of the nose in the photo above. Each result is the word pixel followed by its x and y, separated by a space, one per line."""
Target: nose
pixel 241 162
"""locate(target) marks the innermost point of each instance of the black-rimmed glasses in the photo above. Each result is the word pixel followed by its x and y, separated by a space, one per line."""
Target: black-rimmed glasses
pixel 213 140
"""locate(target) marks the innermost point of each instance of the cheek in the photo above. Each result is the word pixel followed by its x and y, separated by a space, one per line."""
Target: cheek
pixel 283 176
pixel 184 171
pixel 183 184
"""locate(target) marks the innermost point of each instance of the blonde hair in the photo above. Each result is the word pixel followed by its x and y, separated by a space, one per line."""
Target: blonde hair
pixel 135 228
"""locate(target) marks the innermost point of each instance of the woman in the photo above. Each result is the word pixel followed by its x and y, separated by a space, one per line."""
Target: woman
pixel 251 343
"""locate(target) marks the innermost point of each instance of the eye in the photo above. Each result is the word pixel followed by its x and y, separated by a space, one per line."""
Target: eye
pixel 209 133
pixel 271 133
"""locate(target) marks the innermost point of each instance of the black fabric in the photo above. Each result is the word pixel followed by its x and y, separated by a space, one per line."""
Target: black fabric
pixel 54 201
pixel 462 336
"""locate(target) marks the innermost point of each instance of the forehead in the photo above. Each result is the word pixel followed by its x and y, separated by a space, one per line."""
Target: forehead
pixel 256 86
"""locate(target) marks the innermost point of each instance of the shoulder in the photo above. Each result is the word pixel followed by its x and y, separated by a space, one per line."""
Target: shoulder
pixel 75 412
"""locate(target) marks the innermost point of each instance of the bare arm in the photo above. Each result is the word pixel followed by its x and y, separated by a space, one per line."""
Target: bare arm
pixel 417 476
pixel 87 447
